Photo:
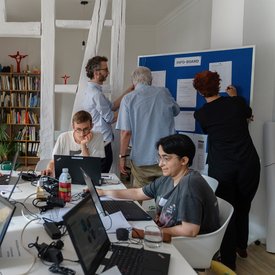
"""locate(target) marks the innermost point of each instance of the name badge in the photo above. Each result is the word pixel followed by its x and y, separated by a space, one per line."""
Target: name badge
pixel 162 202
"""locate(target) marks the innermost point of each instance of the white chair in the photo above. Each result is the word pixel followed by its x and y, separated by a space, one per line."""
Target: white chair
pixel 213 183
pixel 41 165
pixel 199 251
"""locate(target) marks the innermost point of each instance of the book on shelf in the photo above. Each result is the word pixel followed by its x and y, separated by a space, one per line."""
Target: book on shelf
pixel 27 133
pixel 7 100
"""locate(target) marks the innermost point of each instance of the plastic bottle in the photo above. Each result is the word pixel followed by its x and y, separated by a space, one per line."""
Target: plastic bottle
pixel 64 186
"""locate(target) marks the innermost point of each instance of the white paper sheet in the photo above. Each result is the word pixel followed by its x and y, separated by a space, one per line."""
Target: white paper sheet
pixel 159 78
pixel 185 121
pixel 186 93
pixel 224 69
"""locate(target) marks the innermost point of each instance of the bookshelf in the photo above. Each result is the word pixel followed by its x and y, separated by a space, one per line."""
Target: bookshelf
pixel 20 111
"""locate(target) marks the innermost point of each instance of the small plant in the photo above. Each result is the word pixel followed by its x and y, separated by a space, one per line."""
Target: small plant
pixel 6 146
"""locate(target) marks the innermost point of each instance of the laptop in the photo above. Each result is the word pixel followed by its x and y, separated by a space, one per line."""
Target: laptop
pixel 8 178
pixel 130 210
pixel 6 212
pixel 92 166
pixel 95 251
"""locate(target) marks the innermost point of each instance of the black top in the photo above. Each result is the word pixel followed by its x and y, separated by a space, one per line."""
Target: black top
pixel 225 122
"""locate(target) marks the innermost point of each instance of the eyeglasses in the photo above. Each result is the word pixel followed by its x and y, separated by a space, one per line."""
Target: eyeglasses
pixel 165 159
pixel 103 69
pixel 84 131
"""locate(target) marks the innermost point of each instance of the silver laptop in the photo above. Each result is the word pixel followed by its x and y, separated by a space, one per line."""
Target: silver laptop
pixel 6 213
pixel 9 179
pixel 95 251
pixel 130 210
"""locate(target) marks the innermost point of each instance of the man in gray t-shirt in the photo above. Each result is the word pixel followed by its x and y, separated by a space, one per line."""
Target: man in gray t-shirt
pixel 191 200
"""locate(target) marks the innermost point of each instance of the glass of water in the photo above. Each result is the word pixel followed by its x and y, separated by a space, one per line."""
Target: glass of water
pixel 152 236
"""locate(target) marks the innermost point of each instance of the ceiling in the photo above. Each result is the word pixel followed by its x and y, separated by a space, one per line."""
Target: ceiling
pixel 138 12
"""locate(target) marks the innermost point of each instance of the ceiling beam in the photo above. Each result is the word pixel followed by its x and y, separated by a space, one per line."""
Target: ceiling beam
pixel 78 24
pixel 17 29
pixel 23 29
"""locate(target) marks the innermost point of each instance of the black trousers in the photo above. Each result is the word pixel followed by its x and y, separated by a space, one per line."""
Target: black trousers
pixel 237 185
pixel 106 162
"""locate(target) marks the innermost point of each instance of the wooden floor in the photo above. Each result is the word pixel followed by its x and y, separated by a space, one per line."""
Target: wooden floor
pixel 258 262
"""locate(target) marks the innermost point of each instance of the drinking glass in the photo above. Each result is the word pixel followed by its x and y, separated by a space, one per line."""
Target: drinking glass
pixel 152 236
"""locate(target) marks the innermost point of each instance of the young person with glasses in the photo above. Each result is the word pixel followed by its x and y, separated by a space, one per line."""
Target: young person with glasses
pixel 185 203
pixel 82 140
pixel 102 110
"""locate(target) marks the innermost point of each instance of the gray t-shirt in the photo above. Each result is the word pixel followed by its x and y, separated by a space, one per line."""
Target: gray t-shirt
pixel 191 200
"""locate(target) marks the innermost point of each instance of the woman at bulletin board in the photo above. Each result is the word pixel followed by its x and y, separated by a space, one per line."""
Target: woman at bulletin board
pixel 232 158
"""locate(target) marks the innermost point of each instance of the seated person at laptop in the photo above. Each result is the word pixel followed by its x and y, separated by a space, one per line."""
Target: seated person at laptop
pixel 185 204
pixel 82 141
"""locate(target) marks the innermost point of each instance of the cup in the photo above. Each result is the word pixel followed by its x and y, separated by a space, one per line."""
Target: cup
pixel 152 236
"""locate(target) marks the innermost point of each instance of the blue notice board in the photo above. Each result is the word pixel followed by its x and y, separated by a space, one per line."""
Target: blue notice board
pixel 238 64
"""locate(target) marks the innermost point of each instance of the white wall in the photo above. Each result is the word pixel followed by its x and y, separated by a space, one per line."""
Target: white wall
pixel 139 40
pixel 186 29
pixel 29 46
pixel 259 30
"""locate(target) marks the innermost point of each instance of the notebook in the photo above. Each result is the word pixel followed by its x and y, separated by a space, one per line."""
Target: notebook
pixel 6 212
pixel 95 252
pixel 92 166
pixel 130 210
pixel 8 179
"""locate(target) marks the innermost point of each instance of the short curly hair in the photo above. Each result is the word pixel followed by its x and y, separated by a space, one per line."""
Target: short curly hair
pixel 94 64
pixel 81 117
pixel 207 83
pixel 178 144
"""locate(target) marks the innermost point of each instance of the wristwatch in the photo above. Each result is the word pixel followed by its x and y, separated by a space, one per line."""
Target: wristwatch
pixel 122 156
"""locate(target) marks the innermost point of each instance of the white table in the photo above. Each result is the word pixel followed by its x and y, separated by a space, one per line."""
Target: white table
pixel 19 265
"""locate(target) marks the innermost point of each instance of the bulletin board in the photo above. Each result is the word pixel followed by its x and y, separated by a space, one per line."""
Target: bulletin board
pixel 176 71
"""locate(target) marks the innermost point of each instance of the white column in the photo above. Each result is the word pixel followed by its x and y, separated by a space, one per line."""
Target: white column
pixel 227 23
pixel 97 22
pixel 47 78
pixel 117 63
pixel 269 170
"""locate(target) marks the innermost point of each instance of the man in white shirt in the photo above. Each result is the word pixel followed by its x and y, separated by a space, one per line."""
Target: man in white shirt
pixel 81 141
pixel 103 112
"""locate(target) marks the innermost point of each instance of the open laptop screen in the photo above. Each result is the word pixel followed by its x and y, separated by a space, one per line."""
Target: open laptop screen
pixel 6 212
pixel 93 193
pixel 5 179
pixel 91 165
pixel 88 234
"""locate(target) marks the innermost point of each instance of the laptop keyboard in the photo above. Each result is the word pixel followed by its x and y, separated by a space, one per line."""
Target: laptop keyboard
pixel 129 209
pixel 127 259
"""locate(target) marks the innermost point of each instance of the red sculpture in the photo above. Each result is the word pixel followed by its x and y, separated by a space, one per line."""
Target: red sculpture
pixel 18 57
pixel 65 78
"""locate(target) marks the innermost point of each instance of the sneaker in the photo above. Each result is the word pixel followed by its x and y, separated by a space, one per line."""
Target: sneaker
pixel 242 252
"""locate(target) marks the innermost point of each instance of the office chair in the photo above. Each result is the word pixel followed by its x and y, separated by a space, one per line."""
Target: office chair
pixel 213 183
pixel 199 251
pixel 41 165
